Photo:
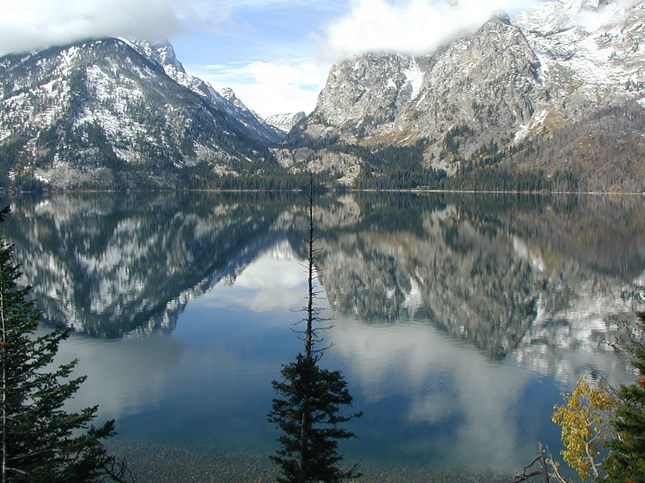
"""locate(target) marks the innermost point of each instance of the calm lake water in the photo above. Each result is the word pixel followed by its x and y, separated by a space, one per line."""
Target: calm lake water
pixel 458 320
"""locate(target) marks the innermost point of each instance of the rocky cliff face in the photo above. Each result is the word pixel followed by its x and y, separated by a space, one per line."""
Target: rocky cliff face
pixel 486 85
pixel 494 91
pixel 590 51
pixel 364 96
pixel 489 79
pixel 103 115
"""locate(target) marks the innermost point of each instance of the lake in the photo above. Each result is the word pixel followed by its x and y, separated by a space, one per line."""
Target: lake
pixel 456 319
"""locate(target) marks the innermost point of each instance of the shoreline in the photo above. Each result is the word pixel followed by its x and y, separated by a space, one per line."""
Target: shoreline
pixel 366 190
pixel 156 462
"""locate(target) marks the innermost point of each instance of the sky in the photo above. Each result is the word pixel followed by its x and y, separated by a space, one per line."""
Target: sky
pixel 275 54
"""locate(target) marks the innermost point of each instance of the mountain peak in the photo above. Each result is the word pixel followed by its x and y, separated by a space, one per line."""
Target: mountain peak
pixel 162 53
pixel 554 16
pixel 229 94
pixel 249 118
pixel 285 122
pixel 102 108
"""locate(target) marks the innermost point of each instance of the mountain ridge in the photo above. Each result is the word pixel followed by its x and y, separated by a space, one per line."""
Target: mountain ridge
pixel 504 89
pixel 553 100
pixel 285 122
pixel 101 114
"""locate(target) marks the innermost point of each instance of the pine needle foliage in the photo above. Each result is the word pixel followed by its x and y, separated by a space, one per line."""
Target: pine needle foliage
pixel 40 440
pixel 626 462
pixel 308 416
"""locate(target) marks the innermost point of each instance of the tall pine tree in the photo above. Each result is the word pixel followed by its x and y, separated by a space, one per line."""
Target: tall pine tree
pixel 40 440
pixel 307 411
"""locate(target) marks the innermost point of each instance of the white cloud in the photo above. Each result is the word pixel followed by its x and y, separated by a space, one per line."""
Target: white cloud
pixel 27 25
pixel 276 87
pixel 408 26
pixel 33 24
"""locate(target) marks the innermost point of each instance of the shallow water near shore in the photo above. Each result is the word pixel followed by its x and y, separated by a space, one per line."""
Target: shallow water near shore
pixel 172 464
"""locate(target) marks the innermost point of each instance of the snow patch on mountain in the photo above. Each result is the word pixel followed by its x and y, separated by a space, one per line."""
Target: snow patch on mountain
pixel 599 42
pixel 285 122
pixel 163 54
pixel 524 129
pixel 414 76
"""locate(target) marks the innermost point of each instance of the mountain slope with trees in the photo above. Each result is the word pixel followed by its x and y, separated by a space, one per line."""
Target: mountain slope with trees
pixel 553 99
pixel 100 114
pixel 545 101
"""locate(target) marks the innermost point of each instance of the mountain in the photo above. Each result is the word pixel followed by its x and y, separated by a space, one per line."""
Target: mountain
pixel 551 100
pixel 113 114
pixel 265 131
pixel 285 122
pixel 163 53
pixel 501 92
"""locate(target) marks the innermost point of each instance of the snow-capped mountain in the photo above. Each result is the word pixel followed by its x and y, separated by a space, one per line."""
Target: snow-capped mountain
pixel 555 95
pixel 285 122
pixel 163 54
pixel 379 95
pixel 565 64
pixel 103 114
pixel 590 51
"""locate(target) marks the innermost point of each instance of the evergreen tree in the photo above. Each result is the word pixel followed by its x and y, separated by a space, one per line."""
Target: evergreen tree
pixel 626 462
pixel 308 409
pixel 308 416
pixel 40 440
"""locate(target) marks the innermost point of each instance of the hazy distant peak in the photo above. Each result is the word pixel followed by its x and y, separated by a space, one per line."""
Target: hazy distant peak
pixel 285 122
pixel 557 15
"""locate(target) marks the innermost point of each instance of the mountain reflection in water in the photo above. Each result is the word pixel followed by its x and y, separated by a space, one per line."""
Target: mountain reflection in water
pixel 455 316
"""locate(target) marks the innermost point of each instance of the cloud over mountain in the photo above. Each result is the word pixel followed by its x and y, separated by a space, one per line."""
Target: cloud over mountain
pixel 34 24
pixel 408 26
